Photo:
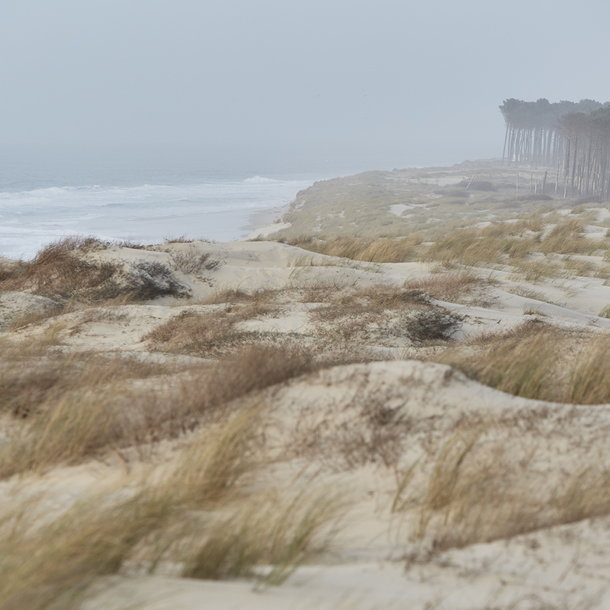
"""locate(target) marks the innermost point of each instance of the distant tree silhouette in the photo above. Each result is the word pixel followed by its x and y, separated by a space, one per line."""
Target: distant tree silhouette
pixel 533 129
pixel 586 158
pixel 574 137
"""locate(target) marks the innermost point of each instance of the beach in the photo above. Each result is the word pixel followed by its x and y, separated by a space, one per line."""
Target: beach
pixel 345 418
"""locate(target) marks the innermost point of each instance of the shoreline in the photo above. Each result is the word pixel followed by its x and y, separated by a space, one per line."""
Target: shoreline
pixel 264 223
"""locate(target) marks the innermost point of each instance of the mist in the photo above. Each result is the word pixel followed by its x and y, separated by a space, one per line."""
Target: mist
pixel 316 85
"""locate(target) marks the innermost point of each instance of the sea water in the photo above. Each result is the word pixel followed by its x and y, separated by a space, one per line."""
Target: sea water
pixel 43 199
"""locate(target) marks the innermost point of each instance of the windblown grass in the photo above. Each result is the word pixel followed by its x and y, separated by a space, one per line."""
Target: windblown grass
pixel 211 333
pixel 74 409
pixel 466 247
pixel 277 530
pixel 478 492
pixel 540 361
pixel 61 271
pixel 32 375
pixel 380 250
pixel 568 238
pixel 50 565
pixel 170 515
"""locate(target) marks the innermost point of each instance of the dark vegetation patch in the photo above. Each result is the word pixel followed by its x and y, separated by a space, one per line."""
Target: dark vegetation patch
pixel 429 326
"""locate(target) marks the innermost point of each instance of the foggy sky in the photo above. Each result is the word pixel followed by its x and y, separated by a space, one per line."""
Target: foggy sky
pixel 396 82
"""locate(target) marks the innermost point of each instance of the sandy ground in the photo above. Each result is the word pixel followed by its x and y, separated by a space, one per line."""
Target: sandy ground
pixel 374 563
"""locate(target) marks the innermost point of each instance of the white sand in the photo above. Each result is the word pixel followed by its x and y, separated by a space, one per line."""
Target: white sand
pixel 367 568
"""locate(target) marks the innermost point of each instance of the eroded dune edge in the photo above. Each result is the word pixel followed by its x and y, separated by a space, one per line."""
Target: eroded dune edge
pixel 400 402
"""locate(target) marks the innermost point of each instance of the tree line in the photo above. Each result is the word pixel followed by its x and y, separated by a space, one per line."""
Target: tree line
pixel 574 137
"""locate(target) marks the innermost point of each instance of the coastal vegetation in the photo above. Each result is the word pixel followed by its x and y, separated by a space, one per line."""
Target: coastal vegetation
pixel 415 368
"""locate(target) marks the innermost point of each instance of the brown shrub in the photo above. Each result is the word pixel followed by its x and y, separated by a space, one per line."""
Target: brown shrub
pixel 60 272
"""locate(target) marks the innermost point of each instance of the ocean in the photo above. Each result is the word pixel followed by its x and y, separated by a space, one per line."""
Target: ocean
pixel 44 197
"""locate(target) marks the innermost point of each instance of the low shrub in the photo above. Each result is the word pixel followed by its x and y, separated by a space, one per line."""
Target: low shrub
pixel 434 325
pixel 192 263
pixel 61 271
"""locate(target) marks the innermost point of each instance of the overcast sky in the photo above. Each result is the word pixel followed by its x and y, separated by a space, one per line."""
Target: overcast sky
pixel 396 82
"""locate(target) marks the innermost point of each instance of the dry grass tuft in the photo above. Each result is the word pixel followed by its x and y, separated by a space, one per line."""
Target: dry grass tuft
pixel 449 287
pixel 36 317
pixel 31 375
pixel 568 238
pixel 192 263
pixel 61 271
pixel 380 250
pixel 589 376
pixel 478 492
pixel 51 565
pixel 199 334
pixel 183 239
pixel 467 247
pixel 520 362
pixel 359 311
pixel 78 407
pixel 540 361
pixel 273 530
pixel 170 515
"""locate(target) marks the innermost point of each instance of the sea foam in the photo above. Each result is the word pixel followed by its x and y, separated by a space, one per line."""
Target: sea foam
pixel 216 210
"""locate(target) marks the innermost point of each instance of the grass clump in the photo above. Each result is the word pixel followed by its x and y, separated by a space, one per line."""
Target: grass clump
pixel 62 271
pixel 380 250
pixel 568 238
pixel 465 247
pixel 540 361
pixel 361 311
pixel 198 513
pixel 73 410
pixel 450 287
pixel 50 565
pixel 34 374
pixel 520 362
pixel 199 334
pixel 273 530
pixel 192 263
pixel 476 491
pixel 434 325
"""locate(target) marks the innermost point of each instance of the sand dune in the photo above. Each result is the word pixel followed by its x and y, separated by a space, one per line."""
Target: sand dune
pixel 417 484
